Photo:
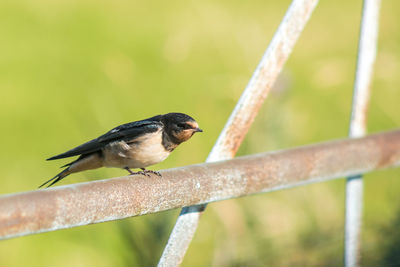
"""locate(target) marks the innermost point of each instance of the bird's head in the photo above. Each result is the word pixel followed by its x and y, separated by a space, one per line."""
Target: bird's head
pixel 180 127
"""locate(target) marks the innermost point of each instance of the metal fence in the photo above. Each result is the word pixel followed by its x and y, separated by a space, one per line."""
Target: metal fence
pixel 222 177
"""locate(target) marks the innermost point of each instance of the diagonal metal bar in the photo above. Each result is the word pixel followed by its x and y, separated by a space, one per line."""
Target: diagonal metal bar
pixel 241 118
pixel 354 185
pixel 112 199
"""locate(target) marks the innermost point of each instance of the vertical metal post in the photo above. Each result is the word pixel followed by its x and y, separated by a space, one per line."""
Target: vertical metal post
pixel 241 118
pixel 354 186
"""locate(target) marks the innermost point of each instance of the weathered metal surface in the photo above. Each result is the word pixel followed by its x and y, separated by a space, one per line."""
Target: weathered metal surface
pixel 111 199
pixel 242 117
pixel 354 186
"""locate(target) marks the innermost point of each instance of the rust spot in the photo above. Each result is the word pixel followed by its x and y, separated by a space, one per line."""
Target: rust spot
pixel 389 148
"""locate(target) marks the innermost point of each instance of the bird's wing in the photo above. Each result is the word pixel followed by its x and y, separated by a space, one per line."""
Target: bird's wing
pixel 128 131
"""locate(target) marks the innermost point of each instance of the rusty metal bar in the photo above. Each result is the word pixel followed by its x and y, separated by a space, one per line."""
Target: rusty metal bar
pixel 111 199
pixel 354 185
pixel 241 118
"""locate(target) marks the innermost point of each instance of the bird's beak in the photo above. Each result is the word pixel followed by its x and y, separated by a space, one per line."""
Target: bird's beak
pixel 198 130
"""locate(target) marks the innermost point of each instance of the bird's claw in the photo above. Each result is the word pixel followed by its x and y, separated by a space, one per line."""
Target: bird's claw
pixel 143 173
pixel 146 172
pixel 140 173
pixel 154 172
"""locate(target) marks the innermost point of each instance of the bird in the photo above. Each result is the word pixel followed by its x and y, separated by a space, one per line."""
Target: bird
pixel 137 144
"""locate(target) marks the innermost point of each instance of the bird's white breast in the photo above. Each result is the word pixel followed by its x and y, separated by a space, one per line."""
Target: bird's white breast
pixel 146 150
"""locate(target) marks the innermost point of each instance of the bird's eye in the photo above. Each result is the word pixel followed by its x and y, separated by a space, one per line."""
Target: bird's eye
pixel 184 125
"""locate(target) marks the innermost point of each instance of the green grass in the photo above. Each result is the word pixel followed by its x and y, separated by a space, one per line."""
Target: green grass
pixel 71 70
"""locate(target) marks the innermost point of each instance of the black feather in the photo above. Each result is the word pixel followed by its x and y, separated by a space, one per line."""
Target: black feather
pixel 57 178
pixel 88 147
pixel 124 132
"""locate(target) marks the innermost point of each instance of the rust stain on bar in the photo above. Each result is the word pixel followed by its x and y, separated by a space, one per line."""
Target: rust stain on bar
pixel 111 199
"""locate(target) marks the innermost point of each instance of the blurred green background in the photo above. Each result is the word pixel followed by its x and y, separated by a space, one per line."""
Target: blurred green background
pixel 71 70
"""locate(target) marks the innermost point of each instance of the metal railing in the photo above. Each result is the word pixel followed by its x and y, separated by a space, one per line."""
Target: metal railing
pixel 117 198
pixel 222 177
pixel 358 124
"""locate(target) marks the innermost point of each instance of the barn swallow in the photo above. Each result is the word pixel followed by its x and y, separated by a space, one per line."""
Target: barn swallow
pixel 132 145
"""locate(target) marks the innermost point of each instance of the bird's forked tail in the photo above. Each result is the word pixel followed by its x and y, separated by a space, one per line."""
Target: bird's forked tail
pixel 58 177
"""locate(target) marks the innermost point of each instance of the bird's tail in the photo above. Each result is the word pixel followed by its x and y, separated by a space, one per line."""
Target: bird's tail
pixel 83 163
pixel 58 177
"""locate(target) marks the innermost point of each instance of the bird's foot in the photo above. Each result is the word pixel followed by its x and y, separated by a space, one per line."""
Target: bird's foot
pixel 136 173
pixel 146 172
pixel 143 172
